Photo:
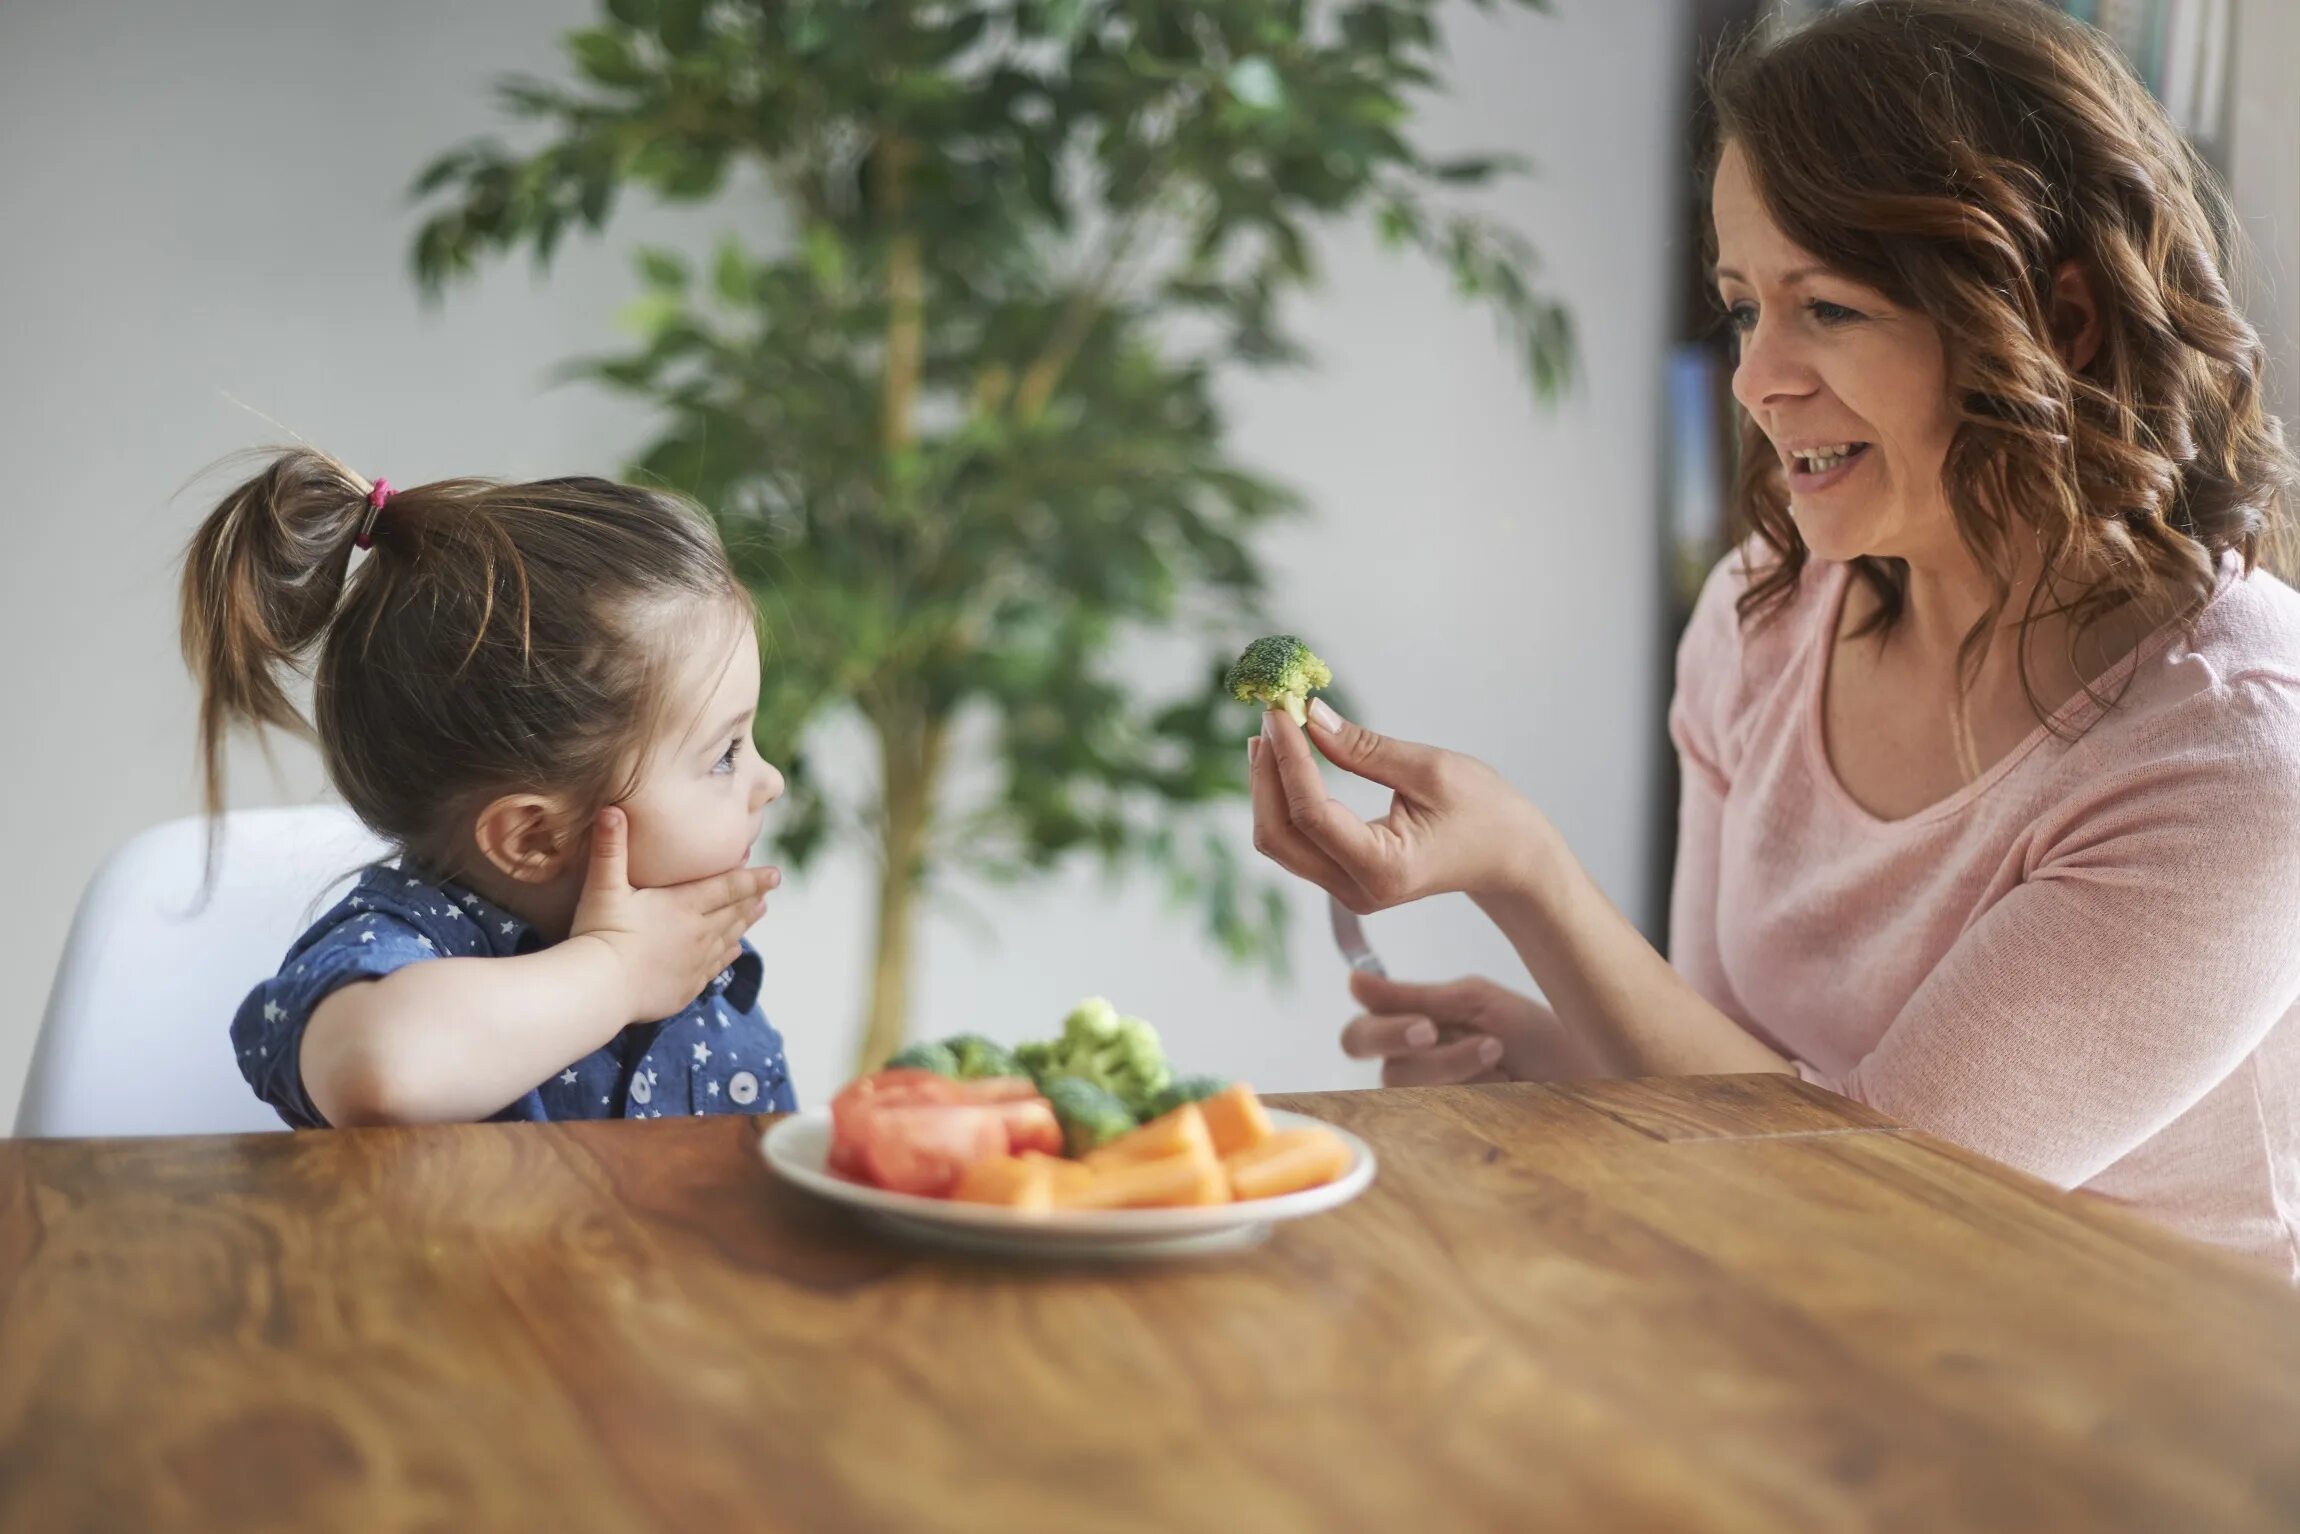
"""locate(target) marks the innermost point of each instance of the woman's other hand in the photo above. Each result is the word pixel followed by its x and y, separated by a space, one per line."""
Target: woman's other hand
pixel 1461 1031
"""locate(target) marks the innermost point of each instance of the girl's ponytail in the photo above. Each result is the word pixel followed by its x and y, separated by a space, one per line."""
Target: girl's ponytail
pixel 262 579
pixel 503 638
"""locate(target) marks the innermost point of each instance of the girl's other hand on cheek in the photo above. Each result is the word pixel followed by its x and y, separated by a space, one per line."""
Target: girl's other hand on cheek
pixel 667 943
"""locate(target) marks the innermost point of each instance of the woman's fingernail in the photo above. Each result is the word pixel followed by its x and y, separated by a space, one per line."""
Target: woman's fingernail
pixel 1421 1035
pixel 1270 724
pixel 1325 718
pixel 1489 1051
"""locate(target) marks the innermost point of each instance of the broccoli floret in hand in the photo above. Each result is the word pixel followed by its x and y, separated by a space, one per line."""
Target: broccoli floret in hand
pixel 1278 671
pixel 1091 1118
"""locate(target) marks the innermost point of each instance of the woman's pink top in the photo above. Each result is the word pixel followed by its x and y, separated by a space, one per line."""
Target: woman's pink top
pixel 2084 965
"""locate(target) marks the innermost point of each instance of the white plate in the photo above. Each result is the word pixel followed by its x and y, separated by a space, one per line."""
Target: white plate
pixel 798 1149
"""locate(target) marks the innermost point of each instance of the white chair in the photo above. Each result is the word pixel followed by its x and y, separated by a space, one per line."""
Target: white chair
pixel 137 1036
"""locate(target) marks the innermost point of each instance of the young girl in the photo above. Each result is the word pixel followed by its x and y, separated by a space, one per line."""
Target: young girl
pixel 542 694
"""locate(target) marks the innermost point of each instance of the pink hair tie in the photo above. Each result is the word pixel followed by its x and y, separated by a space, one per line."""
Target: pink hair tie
pixel 375 500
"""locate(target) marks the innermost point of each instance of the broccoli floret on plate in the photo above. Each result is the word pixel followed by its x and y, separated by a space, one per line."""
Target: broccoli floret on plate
pixel 1121 1055
pixel 1186 1089
pixel 1090 1117
pixel 938 1058
pixel 979 1057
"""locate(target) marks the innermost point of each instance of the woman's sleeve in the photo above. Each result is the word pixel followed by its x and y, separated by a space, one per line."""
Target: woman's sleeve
pixel 2153 943
pixel 1701 713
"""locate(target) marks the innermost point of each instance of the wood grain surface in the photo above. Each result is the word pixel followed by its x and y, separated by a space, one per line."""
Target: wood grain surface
pixel 1733 1304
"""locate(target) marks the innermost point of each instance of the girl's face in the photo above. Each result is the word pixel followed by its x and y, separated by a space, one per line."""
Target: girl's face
pixel 1851 390
pixel 703 786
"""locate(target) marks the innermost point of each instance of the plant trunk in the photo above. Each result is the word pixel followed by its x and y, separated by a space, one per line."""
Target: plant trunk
pixel 910 740
pixel 911 753
pixel 905 303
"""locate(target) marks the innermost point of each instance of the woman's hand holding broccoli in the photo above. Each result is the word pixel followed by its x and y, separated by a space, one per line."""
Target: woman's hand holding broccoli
pixel 1454 824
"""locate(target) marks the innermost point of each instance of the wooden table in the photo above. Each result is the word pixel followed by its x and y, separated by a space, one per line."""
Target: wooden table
pixel 1696 1305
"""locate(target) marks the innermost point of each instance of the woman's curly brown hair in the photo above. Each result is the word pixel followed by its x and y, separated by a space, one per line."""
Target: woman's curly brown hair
pixel 1953 154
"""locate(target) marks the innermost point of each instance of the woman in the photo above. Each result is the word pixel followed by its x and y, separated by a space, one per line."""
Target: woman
pixel 1991 731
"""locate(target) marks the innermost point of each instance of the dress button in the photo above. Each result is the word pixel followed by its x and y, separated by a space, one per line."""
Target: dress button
pixel 642 1090
pixel 744 1089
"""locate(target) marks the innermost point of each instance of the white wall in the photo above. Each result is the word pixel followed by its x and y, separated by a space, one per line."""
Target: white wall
pixel 202 200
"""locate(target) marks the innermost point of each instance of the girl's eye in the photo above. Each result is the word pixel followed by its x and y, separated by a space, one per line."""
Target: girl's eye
pixel 726 761
pixel 1831 314
pixel 1741 318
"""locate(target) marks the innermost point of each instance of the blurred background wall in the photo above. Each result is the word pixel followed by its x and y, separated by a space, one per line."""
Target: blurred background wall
pixel 208 204
pixel 206 218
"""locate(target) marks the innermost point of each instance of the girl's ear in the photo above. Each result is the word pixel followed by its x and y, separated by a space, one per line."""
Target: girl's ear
pixel 525 837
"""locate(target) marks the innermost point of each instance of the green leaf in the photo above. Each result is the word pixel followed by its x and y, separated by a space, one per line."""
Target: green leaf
pixel 605 57
pixel 826 257
pixel 652 312
pixel 633 13
pixel 1474 170
pixel 665 269
pixel 962 34
pixel 731 273
pixel 1066 19
pixel 1038 176
pixel 598 196
pixel 680 25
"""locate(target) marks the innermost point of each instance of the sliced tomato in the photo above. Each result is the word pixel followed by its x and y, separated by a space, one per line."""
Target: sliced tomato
pixel 851 1109
pixel 996 1089
pixel 922 1149
pixel 845 1157
pixel 914 1131
pixel 901 1086
pixel 1031 1126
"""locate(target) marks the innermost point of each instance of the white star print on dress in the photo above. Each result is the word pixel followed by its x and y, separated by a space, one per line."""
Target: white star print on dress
pixel 509 927
pixel 273 1011
pixel 714 1089
pixel 702 1053
pixel 368 936
pixel 568 1076
pixel 425 944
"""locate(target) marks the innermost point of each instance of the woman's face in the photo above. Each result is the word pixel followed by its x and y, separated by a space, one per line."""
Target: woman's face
pixel 1851 390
